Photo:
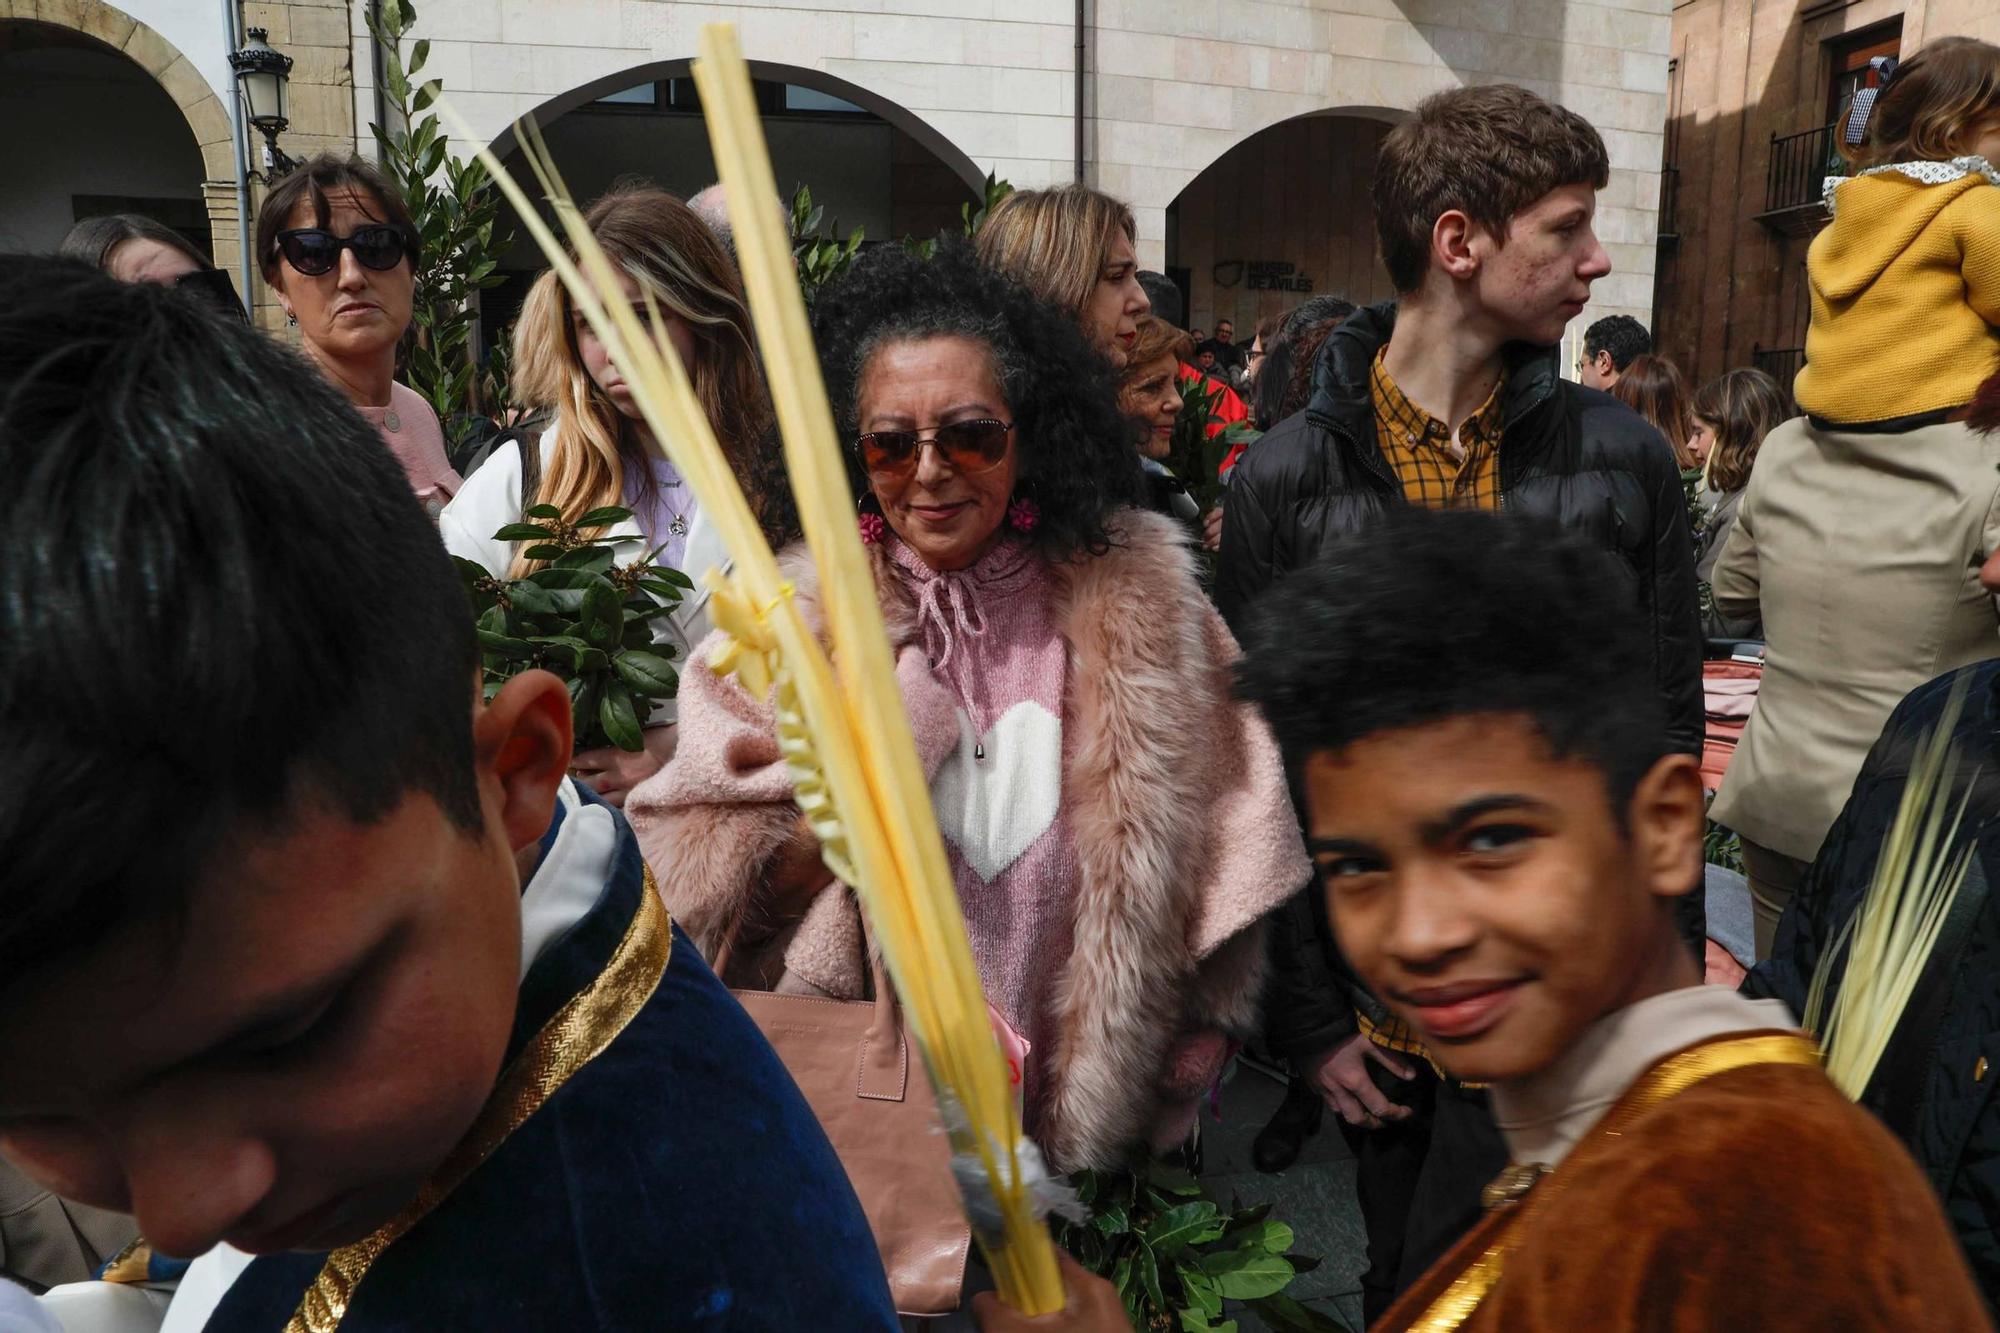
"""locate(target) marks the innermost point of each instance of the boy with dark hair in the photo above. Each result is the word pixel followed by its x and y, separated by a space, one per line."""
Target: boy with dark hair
pixel 310 958
pixel 1501 832
pixel 1452 397
pixel 1609 346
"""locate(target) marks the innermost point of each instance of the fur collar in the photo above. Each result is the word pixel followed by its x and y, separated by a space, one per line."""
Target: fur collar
pixel 1138 709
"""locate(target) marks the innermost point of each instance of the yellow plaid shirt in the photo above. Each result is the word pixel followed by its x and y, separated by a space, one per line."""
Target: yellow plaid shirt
pixel 1437 472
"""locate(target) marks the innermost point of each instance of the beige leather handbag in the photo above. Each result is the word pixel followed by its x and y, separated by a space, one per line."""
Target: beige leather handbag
pixel 852 1060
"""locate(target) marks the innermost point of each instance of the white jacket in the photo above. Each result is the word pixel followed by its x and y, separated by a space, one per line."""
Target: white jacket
pixel 490 499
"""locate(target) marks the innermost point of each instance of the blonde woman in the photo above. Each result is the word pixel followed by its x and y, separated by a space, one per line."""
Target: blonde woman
pixel 599 452
pixel 1073 246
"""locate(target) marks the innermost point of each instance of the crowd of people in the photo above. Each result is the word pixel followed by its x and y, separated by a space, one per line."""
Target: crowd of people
pixel 339 992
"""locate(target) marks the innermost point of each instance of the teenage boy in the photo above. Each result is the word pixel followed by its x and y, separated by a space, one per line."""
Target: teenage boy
pixel 1500 833
pixel 310 958
pixel 1452 397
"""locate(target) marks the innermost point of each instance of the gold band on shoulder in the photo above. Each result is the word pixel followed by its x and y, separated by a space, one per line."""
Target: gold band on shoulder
pixel 575 1036
pixel 1665 1080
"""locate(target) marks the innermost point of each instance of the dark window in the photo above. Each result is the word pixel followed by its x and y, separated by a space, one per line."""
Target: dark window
pixel 639 97
pixel 681 97
pixel 1848 63
pixel 189 217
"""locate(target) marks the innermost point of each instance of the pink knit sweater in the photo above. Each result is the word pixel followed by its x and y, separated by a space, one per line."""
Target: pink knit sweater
pixel 418 443
pixel 1170 791
pixel 990 635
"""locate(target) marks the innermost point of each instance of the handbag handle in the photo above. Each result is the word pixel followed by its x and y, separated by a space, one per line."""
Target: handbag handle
pixel 883 1072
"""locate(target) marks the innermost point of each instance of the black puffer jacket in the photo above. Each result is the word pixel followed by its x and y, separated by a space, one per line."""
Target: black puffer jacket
pixel 1568 454
pixel 1934 1087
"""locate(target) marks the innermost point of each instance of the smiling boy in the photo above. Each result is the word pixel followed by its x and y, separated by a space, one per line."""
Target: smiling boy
pixel 311 959
pixel 1501 831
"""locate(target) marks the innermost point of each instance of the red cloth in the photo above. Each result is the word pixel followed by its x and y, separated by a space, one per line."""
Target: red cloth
pixel 1226 411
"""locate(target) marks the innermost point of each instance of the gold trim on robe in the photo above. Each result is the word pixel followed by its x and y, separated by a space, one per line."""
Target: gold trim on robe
pixel 575 1036
pixel 1669 1078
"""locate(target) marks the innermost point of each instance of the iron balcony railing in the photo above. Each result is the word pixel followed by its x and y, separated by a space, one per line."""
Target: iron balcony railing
pixel 1799 166
pixel 1781 364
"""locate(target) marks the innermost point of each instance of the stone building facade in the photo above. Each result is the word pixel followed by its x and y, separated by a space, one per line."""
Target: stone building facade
pixel 1241 131
pixel 1753 92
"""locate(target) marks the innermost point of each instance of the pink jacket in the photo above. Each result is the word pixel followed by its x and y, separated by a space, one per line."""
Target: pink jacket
pixel 1177 802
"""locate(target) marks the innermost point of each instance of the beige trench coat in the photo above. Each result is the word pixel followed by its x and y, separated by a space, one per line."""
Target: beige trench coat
pixel 1862 551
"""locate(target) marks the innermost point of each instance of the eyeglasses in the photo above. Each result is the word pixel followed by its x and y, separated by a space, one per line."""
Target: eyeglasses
pixel 971 447
pixel 314 250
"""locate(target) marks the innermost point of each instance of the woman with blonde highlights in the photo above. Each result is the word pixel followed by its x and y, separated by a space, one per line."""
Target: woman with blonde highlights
pixel 1073 246
pixel 599 452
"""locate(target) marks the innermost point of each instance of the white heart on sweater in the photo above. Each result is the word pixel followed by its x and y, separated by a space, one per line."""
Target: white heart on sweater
pixel 993 809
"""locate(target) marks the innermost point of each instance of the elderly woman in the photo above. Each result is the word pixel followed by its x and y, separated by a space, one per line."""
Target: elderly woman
pixel 1117 825
pixel 1149 393
pixel 337 245
pixel 1074 246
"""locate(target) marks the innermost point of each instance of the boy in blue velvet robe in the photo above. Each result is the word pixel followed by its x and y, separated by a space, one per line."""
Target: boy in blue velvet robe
pixel 311 960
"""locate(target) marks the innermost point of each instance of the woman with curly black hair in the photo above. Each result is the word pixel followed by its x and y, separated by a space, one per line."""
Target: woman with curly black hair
pixel 1117 825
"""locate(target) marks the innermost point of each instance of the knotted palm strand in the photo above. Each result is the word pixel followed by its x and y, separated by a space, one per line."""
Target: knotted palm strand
pixel 1888 940
pixel 845 736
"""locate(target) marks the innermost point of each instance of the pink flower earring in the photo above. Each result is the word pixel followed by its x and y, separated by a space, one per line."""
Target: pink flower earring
pixel 1023 515
pixel 870 522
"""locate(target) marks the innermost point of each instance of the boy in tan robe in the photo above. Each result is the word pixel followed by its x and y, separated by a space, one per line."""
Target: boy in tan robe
pixel 1501 829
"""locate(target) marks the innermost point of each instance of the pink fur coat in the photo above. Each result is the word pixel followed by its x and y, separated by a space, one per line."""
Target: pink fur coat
pixel 1175 796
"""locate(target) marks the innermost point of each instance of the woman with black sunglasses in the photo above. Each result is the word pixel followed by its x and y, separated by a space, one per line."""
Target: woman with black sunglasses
pixel 1117 826
pixel 337 245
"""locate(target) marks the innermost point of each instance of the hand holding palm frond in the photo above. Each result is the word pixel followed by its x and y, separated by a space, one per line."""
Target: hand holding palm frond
pixel 845 735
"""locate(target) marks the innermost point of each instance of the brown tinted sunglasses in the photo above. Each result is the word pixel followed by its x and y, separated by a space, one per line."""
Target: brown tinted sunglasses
pixel 970 447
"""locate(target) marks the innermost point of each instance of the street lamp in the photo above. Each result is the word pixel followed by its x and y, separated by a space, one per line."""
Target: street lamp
pixel 261 76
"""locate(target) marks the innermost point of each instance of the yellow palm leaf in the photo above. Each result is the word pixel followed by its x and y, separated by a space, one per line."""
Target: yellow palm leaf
pixel 845 736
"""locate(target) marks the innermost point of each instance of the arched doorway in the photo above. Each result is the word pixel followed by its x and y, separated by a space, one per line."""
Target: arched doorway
pixel 90 132
pixel 1283 215
pixel 869 163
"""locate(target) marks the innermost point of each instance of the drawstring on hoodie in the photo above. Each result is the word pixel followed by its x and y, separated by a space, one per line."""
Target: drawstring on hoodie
pixel 948 611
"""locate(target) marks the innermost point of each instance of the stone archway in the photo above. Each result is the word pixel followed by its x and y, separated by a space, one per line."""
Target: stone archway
pixel 1282 215
pixel 869 162
pixel 107 28
pixel 766 71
